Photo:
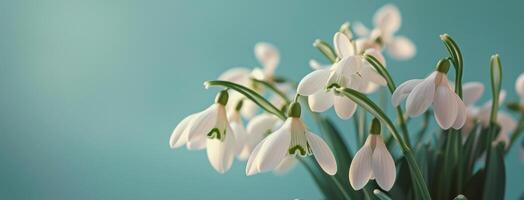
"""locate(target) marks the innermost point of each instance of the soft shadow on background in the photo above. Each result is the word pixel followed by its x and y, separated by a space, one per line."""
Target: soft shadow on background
pixel 90 90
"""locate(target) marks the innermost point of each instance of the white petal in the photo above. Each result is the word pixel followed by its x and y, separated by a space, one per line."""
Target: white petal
pixel 348 66
pixel 519 86
pixel 321 101
pixel 268 55
pixel 383 166
pixel 344 107
pixel 387 18
pixel 402 48
pixel 376 53
pixel 222 152
pixel 461 114
pixel 179 135
pixel 506 122
pixel 203 123
pixel 322 153
pixel 249 109
pixel 360 29
pixel 421 97
pixel 251 168
pixel 364 44
pixel 240 134
pixel 237 75
pixel 445 107
pixel 360 168
pixel 313 82
pixel 285 165
pixel 403 91
pixel 343 45
pixel 471 92
pixel 197 144
pixel 275 148
pixel 369 73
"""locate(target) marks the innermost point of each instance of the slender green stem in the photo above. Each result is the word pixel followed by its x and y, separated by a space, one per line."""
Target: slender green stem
pixel 392 87
pixel 273 88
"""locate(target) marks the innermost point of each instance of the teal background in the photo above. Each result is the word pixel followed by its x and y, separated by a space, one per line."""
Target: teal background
pixel 90 90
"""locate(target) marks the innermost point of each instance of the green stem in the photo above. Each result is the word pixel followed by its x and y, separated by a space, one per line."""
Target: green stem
pixel 392 87
pixel 273 88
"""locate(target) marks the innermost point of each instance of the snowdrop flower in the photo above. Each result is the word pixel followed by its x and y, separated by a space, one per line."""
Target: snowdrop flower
pixel 387 21
pixel 209 129
pixel 259 128
pixel 373 161
pixel 290 140
pixel 449 109
pixel 269 57
pixel 351 71
pixel 472 91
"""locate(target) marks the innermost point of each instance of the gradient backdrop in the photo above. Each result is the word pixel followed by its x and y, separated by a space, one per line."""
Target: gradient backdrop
pixel 90 90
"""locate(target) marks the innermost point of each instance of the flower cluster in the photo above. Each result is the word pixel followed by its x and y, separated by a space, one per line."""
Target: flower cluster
pixel 278 138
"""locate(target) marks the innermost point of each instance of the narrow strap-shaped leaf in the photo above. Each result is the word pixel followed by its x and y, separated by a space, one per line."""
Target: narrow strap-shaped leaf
pixel 456 57
pixel 250 94
pixel 364 102
pixel 496 80
pixel 495 184
pixel 381 195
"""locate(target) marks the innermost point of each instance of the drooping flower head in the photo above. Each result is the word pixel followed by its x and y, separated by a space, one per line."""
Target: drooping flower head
pixel 269 58
pixel 373 161
pixel 351 71
pixel 449 109
pixel 290 140
pixel 387 21
pixel 472 91
pixel 209 129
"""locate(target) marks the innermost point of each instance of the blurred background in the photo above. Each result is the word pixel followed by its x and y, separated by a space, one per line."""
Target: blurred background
pixel 91 90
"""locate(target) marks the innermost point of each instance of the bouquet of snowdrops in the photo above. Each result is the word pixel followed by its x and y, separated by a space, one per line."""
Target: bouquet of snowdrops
pixel 464 159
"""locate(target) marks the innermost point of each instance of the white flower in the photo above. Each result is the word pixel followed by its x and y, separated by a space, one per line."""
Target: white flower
pixel 259 128
pixel 373 161
pixel 209 129
pixel 290 140
pixel 269 57
pixel 471 92
pixel 449 110
pixel 352 71
pixel 387 21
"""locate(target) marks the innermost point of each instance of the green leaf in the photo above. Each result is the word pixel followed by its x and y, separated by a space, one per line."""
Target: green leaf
pixel 456 57
pixel 326 186
pixel 273 88
pixel 496 79
pixel 495 184
pixel 475 185
pixel 250 94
